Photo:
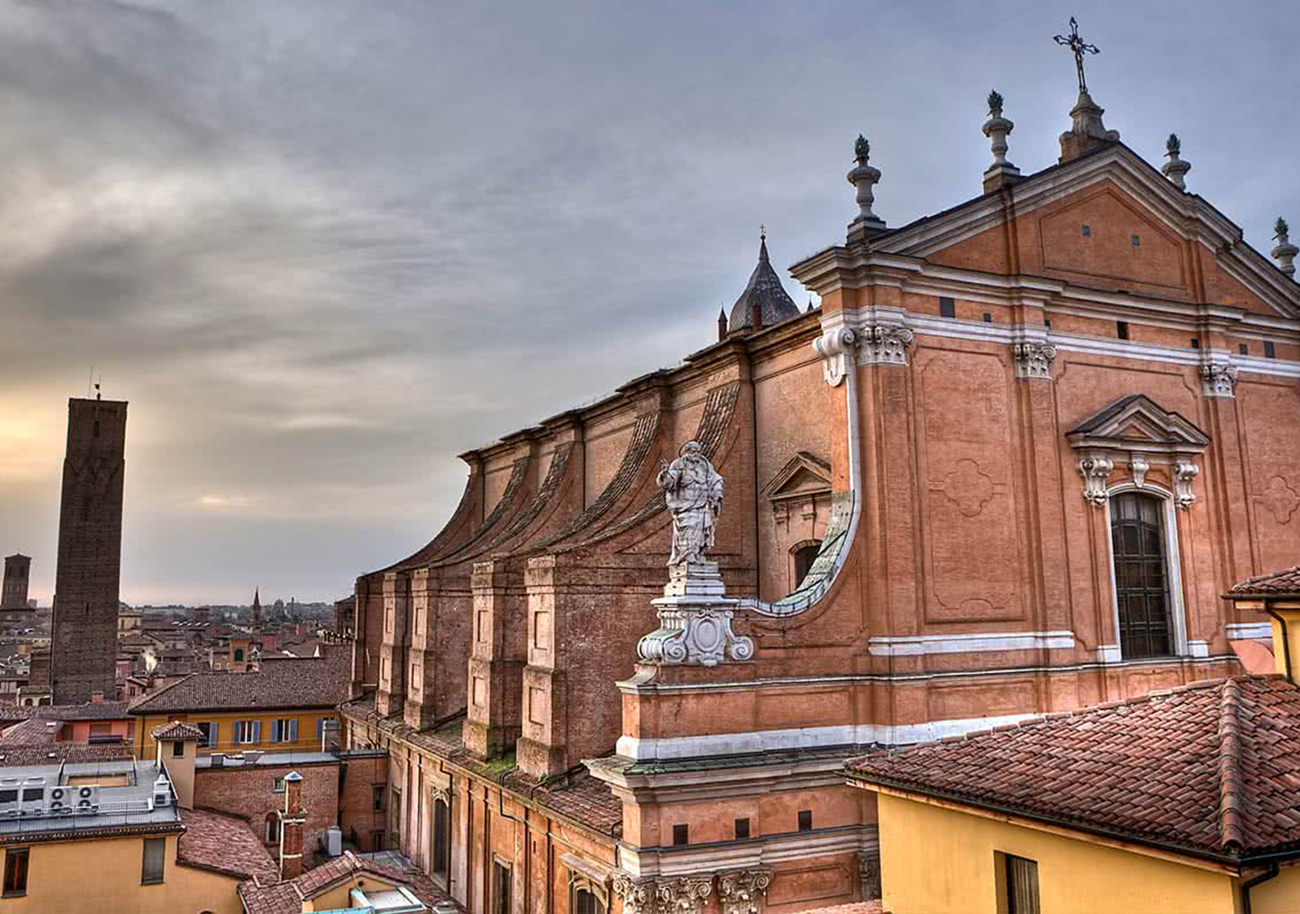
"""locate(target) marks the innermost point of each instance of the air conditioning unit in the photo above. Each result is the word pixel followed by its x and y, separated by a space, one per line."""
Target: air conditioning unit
pixel 31 797
pixel 87 799
pixel 162 792
pixel 334 841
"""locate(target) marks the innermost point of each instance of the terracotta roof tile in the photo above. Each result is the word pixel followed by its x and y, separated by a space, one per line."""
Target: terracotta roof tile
pixel 1267 585
pixel 226 844
pixel 265 896
pixel 1211 768
pixel 287 683
pixel 177 730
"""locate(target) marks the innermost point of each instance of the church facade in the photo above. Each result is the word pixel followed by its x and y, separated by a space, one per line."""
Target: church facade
pixel 1009 467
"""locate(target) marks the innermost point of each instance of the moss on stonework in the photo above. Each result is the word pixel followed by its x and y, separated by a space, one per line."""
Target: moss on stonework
pixel 499 765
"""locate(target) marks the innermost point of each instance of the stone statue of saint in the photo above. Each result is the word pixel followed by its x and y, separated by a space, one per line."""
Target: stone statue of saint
pixel 693 490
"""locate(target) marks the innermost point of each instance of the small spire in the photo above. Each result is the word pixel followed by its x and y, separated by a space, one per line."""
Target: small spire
pixel 1284 252
pixel 810 307
pixel 864 178
pixel 1175 169
pixel 997 128
pixel 762 244
pixel 722 323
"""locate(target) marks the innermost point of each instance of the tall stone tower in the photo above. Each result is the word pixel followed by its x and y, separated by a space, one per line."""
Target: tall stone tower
pixel 83 643
pixel 14 592
pixel 257 609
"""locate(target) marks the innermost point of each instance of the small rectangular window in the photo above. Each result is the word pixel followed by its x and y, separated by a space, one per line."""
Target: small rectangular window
pixel 155 850
pixel 1195 343
pixel 742 829
pixel 805 820
pixel 1121 329
pixel 1048 323
pixel 1137 241
pixel 377 797
pixel 1087 231
pixel 178 749
pixel 277 785
pixel 377 840
pixel 1243 349
pixel 1020 881
pixel 947 307
pixel 681 835
pixel 1269 351
pixel 988 318
pixel 16 871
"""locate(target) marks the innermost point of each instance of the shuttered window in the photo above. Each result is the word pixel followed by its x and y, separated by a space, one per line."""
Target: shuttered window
pixel 1022 885
pixel 152 868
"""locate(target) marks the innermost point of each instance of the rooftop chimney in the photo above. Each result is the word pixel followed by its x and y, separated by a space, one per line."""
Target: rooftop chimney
pixel 291 826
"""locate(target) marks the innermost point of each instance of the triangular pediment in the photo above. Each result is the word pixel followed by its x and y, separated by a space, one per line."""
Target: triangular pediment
pixel 1137 420
pixel 1108 220
pixel 804 474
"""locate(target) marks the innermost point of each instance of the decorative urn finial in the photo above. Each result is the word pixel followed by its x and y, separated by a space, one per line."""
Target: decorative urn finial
pixel 864 178
pixel 1284 253
pixel 1175 169
pixel 997 128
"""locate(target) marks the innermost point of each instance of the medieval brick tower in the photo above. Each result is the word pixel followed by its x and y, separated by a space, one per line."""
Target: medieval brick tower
pixel 83 645
pixel 14 593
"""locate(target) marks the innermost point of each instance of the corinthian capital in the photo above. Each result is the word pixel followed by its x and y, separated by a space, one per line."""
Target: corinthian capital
pixel 1033 359
pixel 884 344
pixel 1218 379
pixel 742 891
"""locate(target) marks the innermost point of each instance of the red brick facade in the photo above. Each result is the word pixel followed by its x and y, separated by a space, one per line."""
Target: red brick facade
pixel 249 791
pixel 1038 436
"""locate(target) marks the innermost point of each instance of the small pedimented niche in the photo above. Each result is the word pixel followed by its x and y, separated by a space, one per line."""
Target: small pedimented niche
pixel 1133 435
pixel 796 490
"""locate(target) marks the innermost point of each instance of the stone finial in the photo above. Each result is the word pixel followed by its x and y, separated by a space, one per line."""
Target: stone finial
pixel 864 178
pixel 1086 128
pixel 1284 252
pixel 997 128
pixel 1175 169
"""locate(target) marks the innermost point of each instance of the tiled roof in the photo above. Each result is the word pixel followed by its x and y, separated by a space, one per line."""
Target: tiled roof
pixel 176 730
pixel 1210 769
pixel 1278 583
pixel 225 844
pixel 262 896
pixel 53 753
pixel 33 731
pixel 287 683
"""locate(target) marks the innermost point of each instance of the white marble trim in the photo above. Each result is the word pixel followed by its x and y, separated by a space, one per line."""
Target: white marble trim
pixel 1249 631
pixel 682 747
pixel 917 645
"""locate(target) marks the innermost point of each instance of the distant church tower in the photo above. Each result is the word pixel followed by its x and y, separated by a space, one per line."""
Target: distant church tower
pixel 257 608
pixel 17 571
pixel 83 644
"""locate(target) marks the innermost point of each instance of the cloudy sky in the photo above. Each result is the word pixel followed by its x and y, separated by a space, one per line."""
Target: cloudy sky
pixel 322 247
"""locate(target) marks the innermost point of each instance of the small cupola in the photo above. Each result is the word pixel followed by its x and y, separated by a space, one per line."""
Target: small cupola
pixel 764 301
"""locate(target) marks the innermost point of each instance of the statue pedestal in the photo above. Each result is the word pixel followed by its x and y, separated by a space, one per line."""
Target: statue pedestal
pixel 695 618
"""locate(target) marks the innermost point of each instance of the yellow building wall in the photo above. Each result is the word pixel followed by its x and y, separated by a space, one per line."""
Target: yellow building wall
pixel 1280 895
pixel 935 860
pixel 145 748
pixel 104 875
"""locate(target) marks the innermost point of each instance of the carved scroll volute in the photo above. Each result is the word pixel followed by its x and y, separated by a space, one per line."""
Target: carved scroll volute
pixel 836 350
pixel 742 892
pixel 638 895
pixel 1095 471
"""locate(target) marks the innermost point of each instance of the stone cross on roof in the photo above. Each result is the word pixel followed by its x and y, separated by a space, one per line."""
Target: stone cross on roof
pixel 1079 47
